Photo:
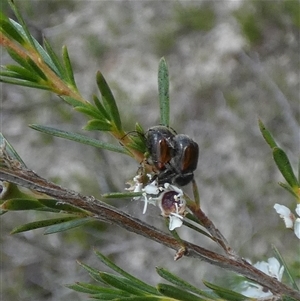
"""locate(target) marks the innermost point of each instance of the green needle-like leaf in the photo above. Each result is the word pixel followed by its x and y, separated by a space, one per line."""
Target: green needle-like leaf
pixel 35 68
pixel 94 289
pixel 68 67
pixel 100 108
pixel 225 293
pixel 285 167
pixel 180 282
pixel 95 274
pixel 19 59
pixel 286 268
pixel 98 125
pixel 163 92
pixel 266 134
pixel 22 23
pixel 177 293
pixel 21 204
pixel 67 225
pixel 288 188
pixel 78 138
pixel 109 100
pixel 21 73
pixel 121 195
pixel 142 285
pixel 73 102
pixel 8 29
pixel 20 82
pixel 91 111
pixel 42 224
pixel 58 68
pixel 123 284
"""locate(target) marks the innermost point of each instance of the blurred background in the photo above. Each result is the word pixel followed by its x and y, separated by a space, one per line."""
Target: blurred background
pixel 230 63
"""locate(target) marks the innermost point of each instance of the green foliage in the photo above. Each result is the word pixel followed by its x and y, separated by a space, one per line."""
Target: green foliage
pixel 127 287
pixel 163 92
pixel 283 163
pixel 79 138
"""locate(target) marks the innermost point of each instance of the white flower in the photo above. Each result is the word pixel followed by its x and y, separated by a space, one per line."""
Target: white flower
pixel 271 268
pixel 169 199
pixel 289 218
pixel 172 204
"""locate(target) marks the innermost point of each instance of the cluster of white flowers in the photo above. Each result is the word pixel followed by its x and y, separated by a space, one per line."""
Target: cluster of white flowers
pixel 290 220
pixel 168 198
pixel 272 268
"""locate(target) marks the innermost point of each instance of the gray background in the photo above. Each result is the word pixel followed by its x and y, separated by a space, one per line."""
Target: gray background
pixel 230 62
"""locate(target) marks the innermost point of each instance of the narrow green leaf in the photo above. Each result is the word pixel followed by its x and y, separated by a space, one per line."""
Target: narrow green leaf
pixel 82 288
pixel 98 125
pixel 95 289
pixel 41 224
pixel 67 225
pixel 100 108
pixel 180 282
pixel 2 212
pixel 19 59
pixel 79 138
pixel 90 111
pixel 138 143
pixel 20 204
pixel 36 68
pixel 45 56
pixel 8 29
pixel 123 284
pixel 139 129
pixel 121 195
pixel 21 73
pixel 58 68
pixel 108 100
pixel 22 22
pixel 225 293
pixel 286 268
pixel 68 67
pixel 73 102
pixel 56 204
pixel 163 92
pixel 144 286
pixel 111 296
pixel 95 274
pixel 289 189
pixel 177 293
pixel 285 167
pixel 266 134
pixel 20 82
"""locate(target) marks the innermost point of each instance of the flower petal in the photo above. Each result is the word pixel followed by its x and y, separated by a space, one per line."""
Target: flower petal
pixel 282 210
pixel 175 222
pixel 297 227
pixel 298 209
pixel 285 213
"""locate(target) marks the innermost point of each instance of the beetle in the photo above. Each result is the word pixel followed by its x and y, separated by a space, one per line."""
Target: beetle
pixel 175 156
pixel 185 159
pixel 159 142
